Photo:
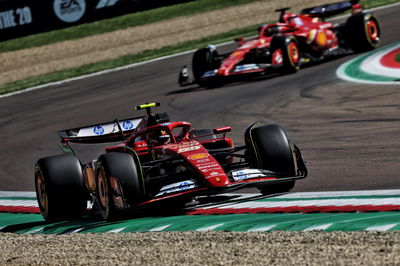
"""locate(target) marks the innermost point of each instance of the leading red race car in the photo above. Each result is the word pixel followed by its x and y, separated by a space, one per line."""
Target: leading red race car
pixel 158 160
pixel 284 46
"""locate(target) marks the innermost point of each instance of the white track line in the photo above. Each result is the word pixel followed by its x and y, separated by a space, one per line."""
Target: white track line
pixel 209 228
pixel 17 194
pixel 262 229
pixel 320 227
pixel 34 231
pixel 117 230
pixel 381 228
pixel 159 229
pixel 294 195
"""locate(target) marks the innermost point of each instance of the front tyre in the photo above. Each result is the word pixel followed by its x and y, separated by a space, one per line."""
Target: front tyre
pixel 276 188
pixel 269 148
pixel 119 183
pixel 286 53
pixel 60 188
pixel 204 59
pixel 362 32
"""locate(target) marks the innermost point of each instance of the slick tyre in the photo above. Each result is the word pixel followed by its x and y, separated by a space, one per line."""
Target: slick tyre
pixel 60 188
pixel 362 32
pixel 276 188
pixel 269 148
pixel 119 184
pixel 285 51
pixel 204 60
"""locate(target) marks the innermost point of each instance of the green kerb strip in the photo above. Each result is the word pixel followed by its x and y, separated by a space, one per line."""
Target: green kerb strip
pixel 328 198
pixel 17 198
pixel 353 70
pixel 11 219
pixel 397 58
pixel 232 222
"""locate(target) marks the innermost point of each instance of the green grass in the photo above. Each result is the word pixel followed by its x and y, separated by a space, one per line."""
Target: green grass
pixel 117 23
pixel 143 56
pixel 124 60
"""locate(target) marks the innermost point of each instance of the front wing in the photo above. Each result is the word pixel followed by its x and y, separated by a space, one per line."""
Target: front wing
pixel 240 179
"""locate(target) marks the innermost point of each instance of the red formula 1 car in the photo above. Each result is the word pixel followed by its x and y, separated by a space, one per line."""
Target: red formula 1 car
pixel 284 46
pixel 158 160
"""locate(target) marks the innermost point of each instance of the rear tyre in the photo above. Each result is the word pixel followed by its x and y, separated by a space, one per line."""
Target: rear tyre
pixel 204 59
pixel 60 188
pixel 362 32
pixel 269 148
pixel 285 50
pixel 119 184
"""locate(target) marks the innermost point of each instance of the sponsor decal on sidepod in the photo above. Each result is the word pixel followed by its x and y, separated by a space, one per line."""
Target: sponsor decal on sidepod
pixel 198 156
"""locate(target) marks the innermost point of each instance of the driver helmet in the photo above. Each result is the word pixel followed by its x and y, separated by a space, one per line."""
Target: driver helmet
pixel 163 138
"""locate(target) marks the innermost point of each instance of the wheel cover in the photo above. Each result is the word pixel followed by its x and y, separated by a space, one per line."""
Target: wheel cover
pixel 277 58
pixel 102 189
pixel 372 31
pixel 294 53
pixel 41 193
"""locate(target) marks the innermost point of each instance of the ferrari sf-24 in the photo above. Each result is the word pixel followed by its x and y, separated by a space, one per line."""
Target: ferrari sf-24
pixel 284 46
pixel 157 160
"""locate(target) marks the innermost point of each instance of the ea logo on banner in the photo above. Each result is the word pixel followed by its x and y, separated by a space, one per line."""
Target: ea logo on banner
pixel 69 10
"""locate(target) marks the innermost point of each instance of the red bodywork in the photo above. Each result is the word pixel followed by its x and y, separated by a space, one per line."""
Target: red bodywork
pixel 185 146
pixel 318 35
pixel 175 160
pixel 284 46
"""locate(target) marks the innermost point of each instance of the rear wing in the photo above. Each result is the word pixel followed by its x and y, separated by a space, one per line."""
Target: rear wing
pixel 328 10
pixel 101 133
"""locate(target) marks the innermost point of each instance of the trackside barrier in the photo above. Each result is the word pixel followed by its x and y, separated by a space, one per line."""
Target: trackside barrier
pixel 24 17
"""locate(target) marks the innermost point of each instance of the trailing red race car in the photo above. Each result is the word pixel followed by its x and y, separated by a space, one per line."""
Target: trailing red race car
pixel 284 46
pixel 159 160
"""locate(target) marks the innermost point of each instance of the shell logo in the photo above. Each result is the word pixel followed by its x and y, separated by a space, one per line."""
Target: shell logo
pixel 198 156
pixel 321 39
pixel 318 37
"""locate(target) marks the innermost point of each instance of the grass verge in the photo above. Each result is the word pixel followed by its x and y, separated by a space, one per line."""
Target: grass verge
pixel 124 60
pixel 146 55
pixel 117 23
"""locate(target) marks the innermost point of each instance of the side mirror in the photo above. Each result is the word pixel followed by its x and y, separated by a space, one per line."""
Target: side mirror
pixel 239 41
pixel 222 130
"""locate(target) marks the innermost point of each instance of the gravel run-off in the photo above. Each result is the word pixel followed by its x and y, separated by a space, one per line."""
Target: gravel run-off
pixel 203 248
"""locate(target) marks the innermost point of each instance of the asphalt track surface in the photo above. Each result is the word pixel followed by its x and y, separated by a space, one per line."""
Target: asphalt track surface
pixel 348 132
